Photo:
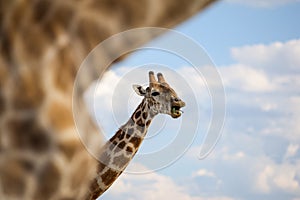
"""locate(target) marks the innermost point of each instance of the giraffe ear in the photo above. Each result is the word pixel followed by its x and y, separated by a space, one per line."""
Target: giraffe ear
pixel 139 90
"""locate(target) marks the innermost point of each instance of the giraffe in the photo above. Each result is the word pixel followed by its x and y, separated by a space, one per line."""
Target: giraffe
pixel 42 44
pixel 116 154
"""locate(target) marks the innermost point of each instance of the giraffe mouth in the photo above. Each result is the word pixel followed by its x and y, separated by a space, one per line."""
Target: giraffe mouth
pixel 175 111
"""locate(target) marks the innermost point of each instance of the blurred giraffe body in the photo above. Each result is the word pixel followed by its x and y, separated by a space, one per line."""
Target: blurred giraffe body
pixel 42 44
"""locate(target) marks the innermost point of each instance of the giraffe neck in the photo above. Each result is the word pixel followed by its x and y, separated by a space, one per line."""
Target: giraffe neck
pixel 121 148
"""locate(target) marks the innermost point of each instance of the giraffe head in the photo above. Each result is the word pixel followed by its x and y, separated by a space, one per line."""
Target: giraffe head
pixel 160 97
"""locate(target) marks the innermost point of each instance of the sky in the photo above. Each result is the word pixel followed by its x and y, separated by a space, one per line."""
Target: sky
pixel 255 46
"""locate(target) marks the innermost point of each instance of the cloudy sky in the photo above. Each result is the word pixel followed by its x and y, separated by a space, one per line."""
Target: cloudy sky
pixel 255 46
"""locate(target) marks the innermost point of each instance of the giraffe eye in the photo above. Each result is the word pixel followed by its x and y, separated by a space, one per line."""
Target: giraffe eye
pixel 155 93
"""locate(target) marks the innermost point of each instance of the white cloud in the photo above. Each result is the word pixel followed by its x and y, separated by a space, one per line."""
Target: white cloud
pixel 272 74
pixel 263 178
pixel 278 65
pixel 287 182
pixel 275 57
pixel 291 151
pixel 246 78
pixel 263 3
pixel 282 177
pixel 246 175
pixel 203 172
pixel 235 156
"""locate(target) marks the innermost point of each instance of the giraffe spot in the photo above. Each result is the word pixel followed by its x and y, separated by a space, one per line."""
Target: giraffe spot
pixel 3 77
pixel 78 173
pixel 122 145
pixel 122 135
pixel 27 165
pixel 111 147
pixel 27 90
pixel 12 178
pixel 28 134
pixel 145 115
pixel 34 43
pixel 69 147
pixel 136 141
pixel 129 150
pixel 109 177
pixel 66 70
pixel 140 122
pixel 121 161
pixel 150 104
pixel 91 31
pixel 137 115
pixel 6 53
pixel 61 15
pixel 129 12
pixel 67 198
pixel 95 190
pixel 117 150
pixel 141 129
pixel 48 181
pixel 100 167
pixel 41 8
pixel 143 107
pixel 139 107
pixel 60 116
pixel 117 135
pixel 2 103
pixel 148 123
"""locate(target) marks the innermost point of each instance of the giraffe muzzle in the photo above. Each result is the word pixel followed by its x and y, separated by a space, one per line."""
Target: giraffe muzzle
pixel 175 109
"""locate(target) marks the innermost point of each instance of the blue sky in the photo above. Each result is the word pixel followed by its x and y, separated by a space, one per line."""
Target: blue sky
pixel 227 25
pixel 255 46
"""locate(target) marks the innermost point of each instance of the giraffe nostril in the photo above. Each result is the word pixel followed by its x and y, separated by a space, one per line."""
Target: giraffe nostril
pixel 176 99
